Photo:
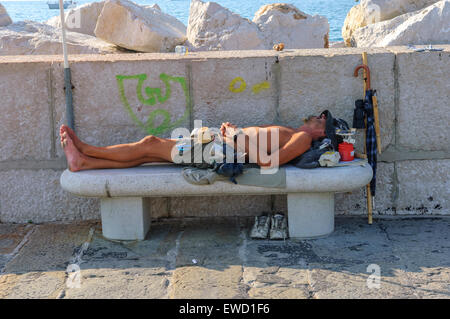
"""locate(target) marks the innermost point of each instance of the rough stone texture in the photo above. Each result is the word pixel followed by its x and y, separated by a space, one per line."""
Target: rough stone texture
pixel 185 259
pixel 35 195
pixel 148 30
pixel 284 23
pixel 300 78
pixel 5 19
pixel 24 92
pixel 49 248
pixel 28 37
pixel 423 187
pixel 430 25
pixel 421 123
pixel 201 270
pixel 32 285
pixel 126 283
pixel 166 180
pixel 101 116
pixel 355 203
pixel 219 206
pixel 10 237
pixel 81 19
pixel 227 97
pixel 372 11
pixel 213 27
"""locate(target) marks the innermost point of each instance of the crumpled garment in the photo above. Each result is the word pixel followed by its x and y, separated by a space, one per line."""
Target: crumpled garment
pixel 329 159
pixel 251 176
pixel 199 176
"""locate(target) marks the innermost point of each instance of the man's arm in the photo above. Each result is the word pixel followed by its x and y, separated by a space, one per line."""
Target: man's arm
pixel 297 145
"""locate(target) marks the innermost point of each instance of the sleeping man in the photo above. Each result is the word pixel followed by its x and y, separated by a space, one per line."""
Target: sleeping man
pixel 291 143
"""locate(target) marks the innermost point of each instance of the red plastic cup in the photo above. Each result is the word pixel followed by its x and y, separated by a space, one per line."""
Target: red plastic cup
pixel 346 151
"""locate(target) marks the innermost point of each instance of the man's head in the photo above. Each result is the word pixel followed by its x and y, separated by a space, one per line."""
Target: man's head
pixel 314 126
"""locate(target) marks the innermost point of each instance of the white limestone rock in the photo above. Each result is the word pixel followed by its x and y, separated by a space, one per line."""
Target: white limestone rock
pixel 430 25
pixel 4 17
pixel 281 22
pixel 373 11
pixel 129 26
pixel 213 27
pixel 82 19
pixel 29 37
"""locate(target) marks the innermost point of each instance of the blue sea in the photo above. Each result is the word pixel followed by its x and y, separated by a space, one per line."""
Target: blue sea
pixel 334 10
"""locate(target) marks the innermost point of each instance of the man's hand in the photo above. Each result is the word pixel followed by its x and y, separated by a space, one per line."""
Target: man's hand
pixel 228 129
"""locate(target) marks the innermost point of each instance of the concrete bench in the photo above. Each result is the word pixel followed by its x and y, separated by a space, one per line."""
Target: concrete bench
pixel 124 195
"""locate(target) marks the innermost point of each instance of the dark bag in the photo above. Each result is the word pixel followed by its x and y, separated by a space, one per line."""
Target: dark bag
pixel 310 159
pixel 230 170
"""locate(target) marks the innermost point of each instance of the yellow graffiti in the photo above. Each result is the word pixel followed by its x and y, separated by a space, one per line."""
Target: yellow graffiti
pixel 260 86
pixel 239 89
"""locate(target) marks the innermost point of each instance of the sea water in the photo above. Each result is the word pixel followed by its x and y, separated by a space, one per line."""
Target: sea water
pixel 334 10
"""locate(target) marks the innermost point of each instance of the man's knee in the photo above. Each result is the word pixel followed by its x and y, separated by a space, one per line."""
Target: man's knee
pixel 149 141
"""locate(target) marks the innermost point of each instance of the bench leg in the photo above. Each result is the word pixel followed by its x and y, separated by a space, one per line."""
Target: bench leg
pixel 310 215
pixel 125 218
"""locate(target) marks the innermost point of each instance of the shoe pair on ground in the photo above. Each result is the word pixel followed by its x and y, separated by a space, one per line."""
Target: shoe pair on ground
pixel 272 226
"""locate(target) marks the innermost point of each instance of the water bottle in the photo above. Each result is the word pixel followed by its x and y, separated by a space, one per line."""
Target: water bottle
pixel 183 144
pixel 181 49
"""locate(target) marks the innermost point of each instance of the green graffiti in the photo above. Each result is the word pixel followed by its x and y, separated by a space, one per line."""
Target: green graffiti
pixel 153 96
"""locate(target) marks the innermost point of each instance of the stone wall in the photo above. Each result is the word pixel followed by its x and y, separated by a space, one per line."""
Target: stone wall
pixel 242 87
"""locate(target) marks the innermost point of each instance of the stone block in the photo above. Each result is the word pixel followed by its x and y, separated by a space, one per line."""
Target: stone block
pixel 354 203
pixel 244 93
pixel 423 187
pixel 25 127
pixel 424 92
pixel 36 195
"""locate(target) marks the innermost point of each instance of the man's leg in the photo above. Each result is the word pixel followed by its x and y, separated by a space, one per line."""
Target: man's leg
pixel 149 147
pixel 78 161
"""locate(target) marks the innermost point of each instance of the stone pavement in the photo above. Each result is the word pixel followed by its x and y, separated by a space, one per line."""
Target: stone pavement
pixel 215 258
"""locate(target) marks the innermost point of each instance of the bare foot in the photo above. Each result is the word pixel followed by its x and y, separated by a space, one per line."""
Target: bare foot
pixel 78 143
pixel 74 158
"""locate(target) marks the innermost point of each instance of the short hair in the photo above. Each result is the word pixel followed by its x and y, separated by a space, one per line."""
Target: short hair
pixel 308 119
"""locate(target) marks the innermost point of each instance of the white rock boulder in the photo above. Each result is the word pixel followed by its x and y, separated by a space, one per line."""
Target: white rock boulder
pixel 4 17
pixel 28 37
pixel 285 23
pixel 213 27
pixel 82 19
pixel 129 26
pixel 430 25
pixel 373 11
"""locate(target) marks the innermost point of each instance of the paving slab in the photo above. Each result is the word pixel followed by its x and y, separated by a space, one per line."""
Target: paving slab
pixel 32 285
pixel 49 247
pixel 130 283
pixel 11 236
pixel 208 263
